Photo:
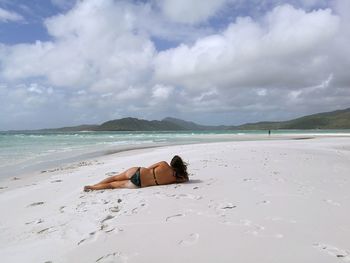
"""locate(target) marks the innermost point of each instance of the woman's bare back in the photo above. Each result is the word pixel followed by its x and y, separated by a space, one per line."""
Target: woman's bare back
pixel 159 173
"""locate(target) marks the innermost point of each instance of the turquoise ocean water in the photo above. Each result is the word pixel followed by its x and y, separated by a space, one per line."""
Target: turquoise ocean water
pixel 22 152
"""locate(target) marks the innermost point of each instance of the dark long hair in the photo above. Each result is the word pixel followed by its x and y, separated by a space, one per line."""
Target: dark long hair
pixel 180 167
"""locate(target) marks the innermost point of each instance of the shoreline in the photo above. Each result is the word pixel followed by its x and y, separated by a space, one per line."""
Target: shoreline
pixel 58 159
pixel 257 199
pixel 13 171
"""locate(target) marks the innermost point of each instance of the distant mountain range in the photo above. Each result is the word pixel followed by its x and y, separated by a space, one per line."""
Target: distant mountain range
pixel 339 119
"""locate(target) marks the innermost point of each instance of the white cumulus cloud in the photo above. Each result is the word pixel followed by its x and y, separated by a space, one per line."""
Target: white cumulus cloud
pixel 161 91
pixel 9 16
pixel 282 49
pixel 95 46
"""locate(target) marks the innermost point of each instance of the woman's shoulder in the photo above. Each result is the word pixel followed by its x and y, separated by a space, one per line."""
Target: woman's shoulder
pixel 163 163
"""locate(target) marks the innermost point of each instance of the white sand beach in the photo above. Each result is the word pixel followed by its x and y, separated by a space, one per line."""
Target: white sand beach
pixel 247 201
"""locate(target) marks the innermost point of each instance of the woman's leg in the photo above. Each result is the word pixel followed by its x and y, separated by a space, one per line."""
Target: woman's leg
pixel 120 177
pixel 117 181
pixel 111 185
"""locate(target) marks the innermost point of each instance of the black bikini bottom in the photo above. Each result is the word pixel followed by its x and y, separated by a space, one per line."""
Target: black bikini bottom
pixel 136 178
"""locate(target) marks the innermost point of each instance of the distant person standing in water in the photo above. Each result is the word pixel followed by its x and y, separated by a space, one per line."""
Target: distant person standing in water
pixel 269 132
pixel 157 174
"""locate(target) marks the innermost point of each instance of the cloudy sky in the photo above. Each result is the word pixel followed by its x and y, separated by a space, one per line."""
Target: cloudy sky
pixel 68 62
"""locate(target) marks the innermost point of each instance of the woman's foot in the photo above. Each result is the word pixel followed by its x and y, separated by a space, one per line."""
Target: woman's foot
pixel 88 188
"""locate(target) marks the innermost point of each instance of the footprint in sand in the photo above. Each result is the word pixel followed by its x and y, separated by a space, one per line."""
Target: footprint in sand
pixel 107 229
pixel 105 201
pixel 142 205
pixel 47 230
pixel 220 206
pixel 112 258
pixel 114 209
pixel 248 179
pixel 134 211
pixel 190 240
pixel 39 221
pixel 81 207
pixel 56 181
pixel 333 251
pixel 36 204
pixel 226 206
pixel 172 217
pixel 91 236
pixel 107 218
pixel 3 187
pixel 62 209
pixel 211 181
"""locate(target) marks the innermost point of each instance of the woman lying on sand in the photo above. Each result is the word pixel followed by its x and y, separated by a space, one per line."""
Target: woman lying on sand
pixel 157 174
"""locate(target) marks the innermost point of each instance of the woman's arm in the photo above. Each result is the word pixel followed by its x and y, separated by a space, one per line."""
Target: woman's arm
pixel 181 179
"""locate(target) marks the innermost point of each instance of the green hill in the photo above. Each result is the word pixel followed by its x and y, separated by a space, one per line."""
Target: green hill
pixel 167 124
pixel 339 119
pixel 188 125
pixel 133 124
